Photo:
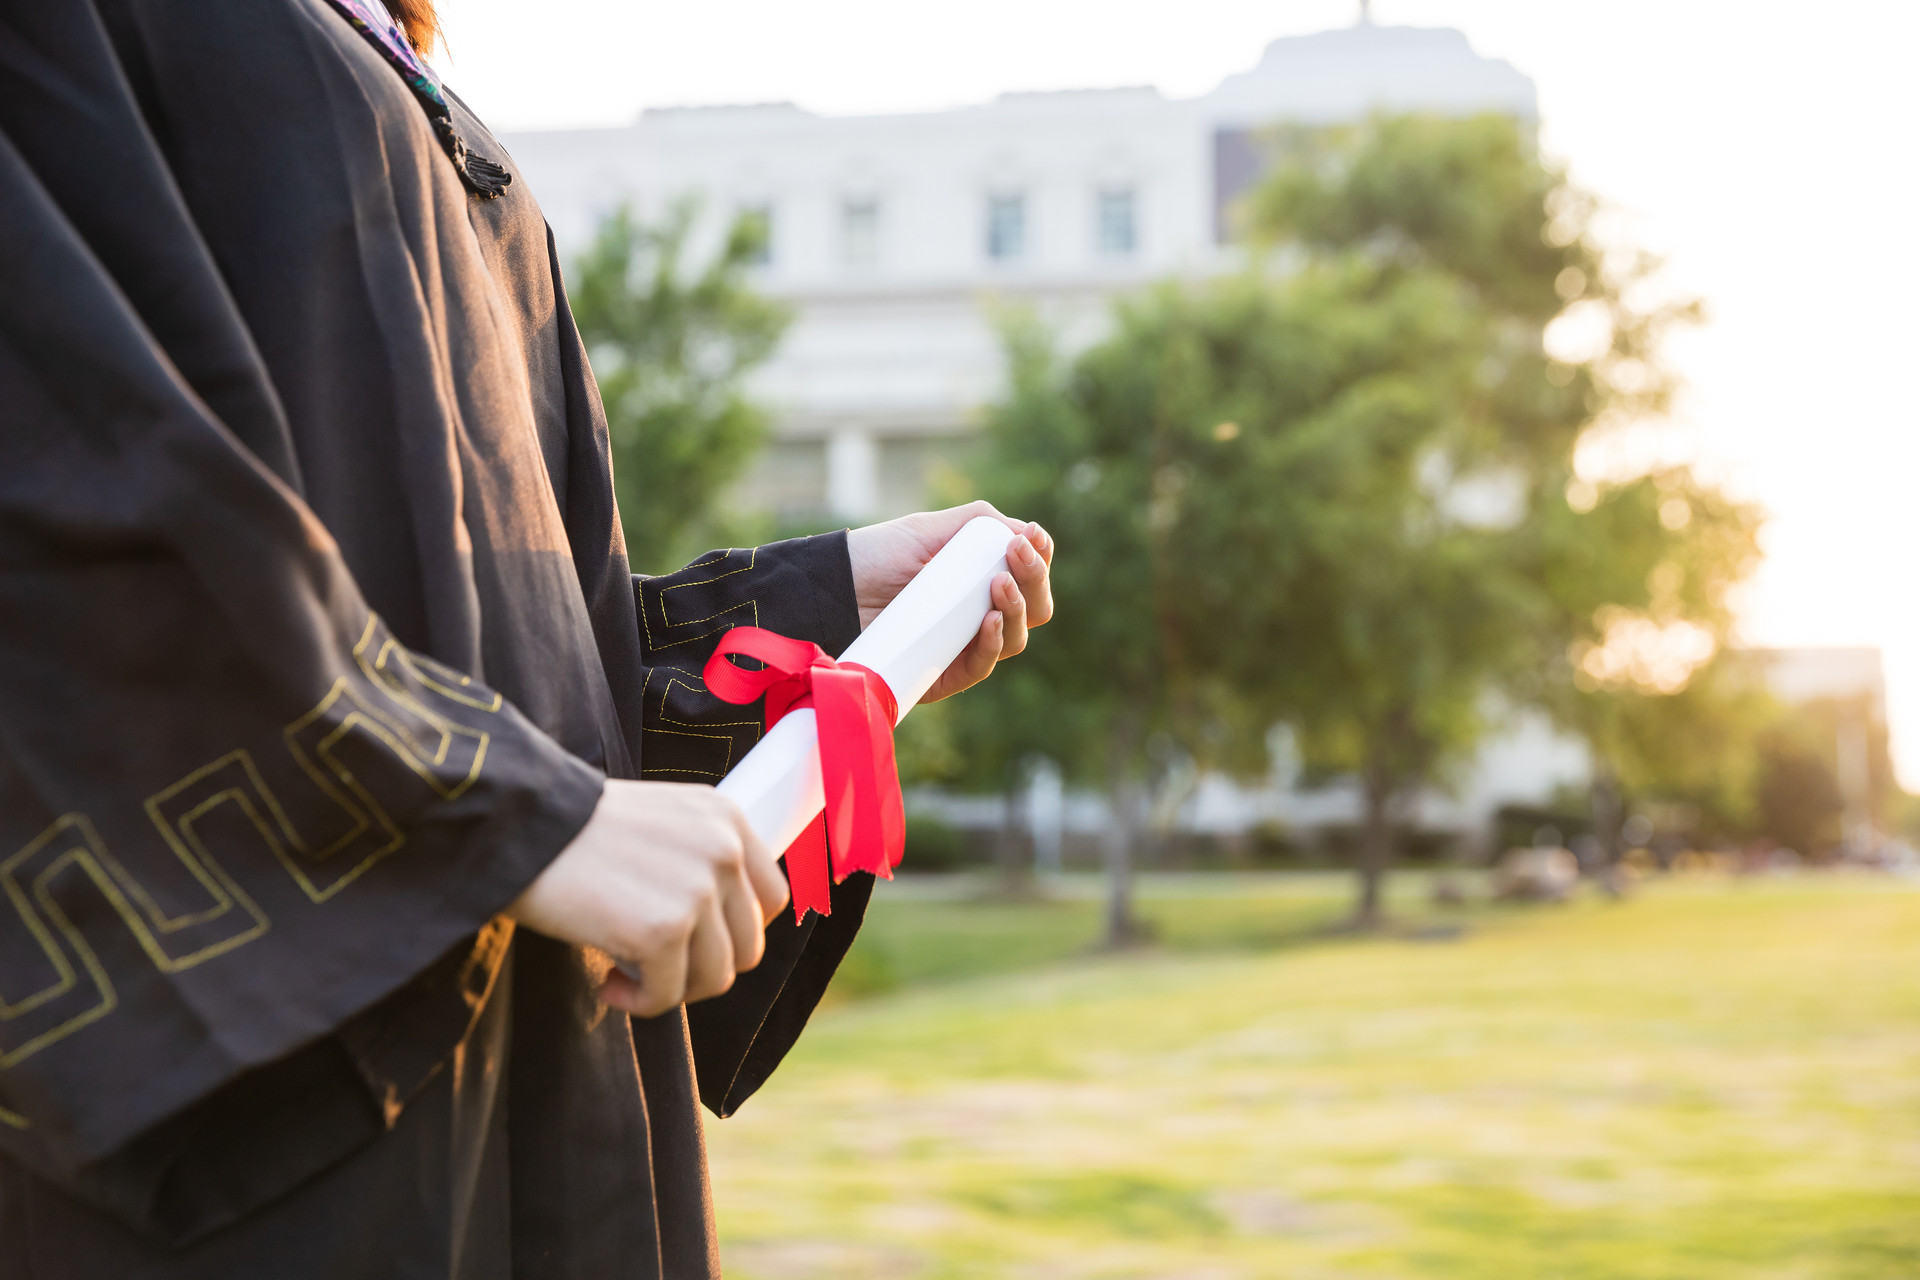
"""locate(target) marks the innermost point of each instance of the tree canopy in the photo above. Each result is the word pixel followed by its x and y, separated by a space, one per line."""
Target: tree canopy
pixel 1337 489
pixel 672 344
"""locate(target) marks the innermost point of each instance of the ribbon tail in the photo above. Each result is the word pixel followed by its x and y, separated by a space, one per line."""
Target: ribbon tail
pixel 890 809
pixel 882 804
pixel 840 712
pixel 807 872
pixel 876 789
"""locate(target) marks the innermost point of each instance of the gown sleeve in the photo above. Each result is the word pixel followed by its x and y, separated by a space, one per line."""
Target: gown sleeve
pixel 234 811
pixel 801 588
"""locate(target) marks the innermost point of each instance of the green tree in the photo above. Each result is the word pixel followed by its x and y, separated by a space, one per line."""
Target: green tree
pixel 1628 580
pixel 1337 489
pixel 1727 753
pixel 1700 746
pixel 672 345
pixel 1804 801
pixel 1092 702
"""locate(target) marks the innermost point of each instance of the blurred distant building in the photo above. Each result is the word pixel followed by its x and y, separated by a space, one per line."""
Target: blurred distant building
pixel 1530 763
pixel 895 237
pixel 1853 679
pixel 1851 674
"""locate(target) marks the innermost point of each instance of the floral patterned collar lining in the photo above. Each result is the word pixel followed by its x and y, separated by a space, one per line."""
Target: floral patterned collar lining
pixel 370 18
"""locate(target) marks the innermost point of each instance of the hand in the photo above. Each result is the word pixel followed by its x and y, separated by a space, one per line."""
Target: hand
pixel 887 556
pixel 667 875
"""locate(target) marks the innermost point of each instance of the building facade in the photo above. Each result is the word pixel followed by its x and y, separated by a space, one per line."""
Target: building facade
pixel 899 239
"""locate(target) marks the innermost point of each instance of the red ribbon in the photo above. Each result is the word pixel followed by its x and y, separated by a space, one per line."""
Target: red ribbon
pixel 864 823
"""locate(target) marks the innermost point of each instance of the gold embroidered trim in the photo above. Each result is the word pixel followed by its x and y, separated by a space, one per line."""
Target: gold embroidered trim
pixel 37 908
pixel 660 601
pixel 431 744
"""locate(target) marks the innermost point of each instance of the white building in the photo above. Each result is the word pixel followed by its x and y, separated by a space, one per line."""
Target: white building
pixel 894 237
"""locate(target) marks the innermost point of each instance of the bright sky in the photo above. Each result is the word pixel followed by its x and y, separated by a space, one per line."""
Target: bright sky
pixel 1766 149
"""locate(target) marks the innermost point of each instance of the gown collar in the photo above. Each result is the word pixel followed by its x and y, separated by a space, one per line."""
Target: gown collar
pixel 482 176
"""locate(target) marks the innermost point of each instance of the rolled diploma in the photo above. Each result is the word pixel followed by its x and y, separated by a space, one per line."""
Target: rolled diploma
pixel 914 639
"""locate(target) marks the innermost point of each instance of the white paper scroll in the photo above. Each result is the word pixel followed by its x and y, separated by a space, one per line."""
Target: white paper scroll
pixel 913 640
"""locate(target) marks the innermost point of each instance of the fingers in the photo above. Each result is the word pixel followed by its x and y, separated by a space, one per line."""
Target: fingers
pixel 1022 599
pixel 974 510
pixel 710 966
pixel 745 922
pixel 975 662
pixel 762 867
pixel 689 967
pixel 1013 612
pixel 622 992
pixel 1028 560
pixel 1039 539
pixel 935 527
pixel 663 980
pixel 669 877
pixel 944 524
pixel 1042 542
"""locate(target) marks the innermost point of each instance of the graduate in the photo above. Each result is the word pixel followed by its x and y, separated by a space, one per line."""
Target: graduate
pixel 339 747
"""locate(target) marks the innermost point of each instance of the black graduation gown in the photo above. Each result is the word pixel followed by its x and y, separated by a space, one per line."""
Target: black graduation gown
pixel 317 640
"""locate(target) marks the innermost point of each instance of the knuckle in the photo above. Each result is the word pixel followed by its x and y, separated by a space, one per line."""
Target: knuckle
pixel 723 837
pixel 730 852
pixel 635 943
pixel 651 940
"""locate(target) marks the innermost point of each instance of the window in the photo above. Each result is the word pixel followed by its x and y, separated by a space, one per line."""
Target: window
pixel 860 231
pixel 759 217
pixel 1006 227
pixel 1116 231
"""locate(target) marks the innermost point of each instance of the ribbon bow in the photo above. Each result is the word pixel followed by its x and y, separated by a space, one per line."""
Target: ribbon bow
pixel 854 712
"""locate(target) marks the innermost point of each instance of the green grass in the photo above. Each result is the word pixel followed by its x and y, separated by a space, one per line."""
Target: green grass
pixel 1717 1079
pixel 939 930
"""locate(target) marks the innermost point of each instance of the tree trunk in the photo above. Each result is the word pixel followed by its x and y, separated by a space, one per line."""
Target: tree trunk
pixel 1123 824
pixel 1376 847
pixel 1606 815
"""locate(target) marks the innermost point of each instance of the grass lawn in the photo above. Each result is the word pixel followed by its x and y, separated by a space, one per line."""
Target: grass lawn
pixel 1716 1079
